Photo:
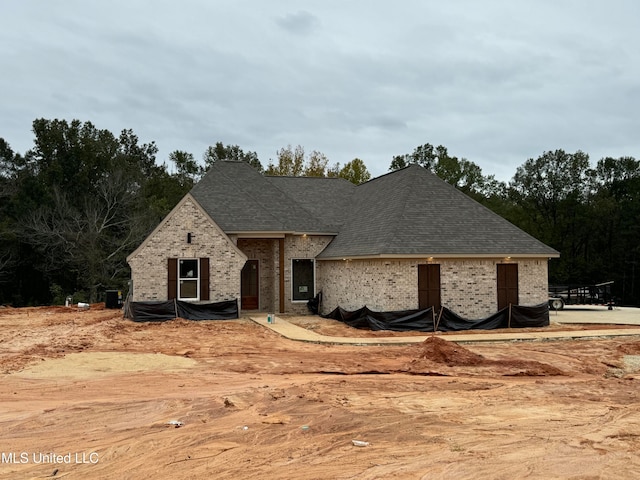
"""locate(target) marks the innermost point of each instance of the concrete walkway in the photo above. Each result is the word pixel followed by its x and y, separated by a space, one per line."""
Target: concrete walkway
pixel 596 314
pixel 588 315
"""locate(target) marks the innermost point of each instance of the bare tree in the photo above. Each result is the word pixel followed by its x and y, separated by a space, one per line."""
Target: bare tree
pixel 91 239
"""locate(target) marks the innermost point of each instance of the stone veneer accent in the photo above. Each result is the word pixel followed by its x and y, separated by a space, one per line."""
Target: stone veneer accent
pixel 468 286
pixel 149 262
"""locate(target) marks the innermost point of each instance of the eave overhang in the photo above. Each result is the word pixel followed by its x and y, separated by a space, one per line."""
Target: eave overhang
pixel 456 256
pixel 276 234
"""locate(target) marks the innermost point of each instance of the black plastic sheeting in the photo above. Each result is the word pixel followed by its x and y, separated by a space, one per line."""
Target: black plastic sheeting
pixel 398 321
pixel 314 304
pixel 161 311
pixel 443 320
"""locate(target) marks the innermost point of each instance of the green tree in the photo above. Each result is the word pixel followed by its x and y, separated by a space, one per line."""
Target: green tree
pixel 461 173
pixel 355 171
pixel 79 209
pixel 9 166
pixel 294 163
pixel 291 162
pixel 424 155
pixel 615 231
pixel 231 153
pixel 188 172
pixel 553 196
pixel 316 165
pixel 334 170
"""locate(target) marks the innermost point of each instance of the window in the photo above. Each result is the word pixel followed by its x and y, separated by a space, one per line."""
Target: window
pixel 303 281
pixel 188 279
pixel 185 274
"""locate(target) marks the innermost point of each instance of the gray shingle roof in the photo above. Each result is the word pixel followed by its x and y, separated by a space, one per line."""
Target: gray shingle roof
pixel 406 212
pixel 328 199
pixel 413 212
pixel 240 199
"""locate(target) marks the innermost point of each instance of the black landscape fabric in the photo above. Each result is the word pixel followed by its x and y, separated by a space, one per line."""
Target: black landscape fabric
pixel 443 320
pixel 536 316
pixel 161 311
pixel 152 311
pixel 226 310
pixel 398 321
pixel 452 322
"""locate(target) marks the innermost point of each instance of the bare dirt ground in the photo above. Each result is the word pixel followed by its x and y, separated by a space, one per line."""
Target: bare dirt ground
pixel 88 395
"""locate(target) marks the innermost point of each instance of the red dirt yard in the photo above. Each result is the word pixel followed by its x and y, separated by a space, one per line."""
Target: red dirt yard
pixel 89 395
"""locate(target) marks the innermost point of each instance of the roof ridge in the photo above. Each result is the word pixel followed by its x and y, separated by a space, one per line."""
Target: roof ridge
pixel 303 176
pixel 390 173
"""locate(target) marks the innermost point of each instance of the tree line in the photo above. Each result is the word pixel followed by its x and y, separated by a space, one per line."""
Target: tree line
pixel 81 199
pixel 589 214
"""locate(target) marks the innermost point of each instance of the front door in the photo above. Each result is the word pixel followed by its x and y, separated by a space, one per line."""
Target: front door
pixel 507 285
pixel 249 299
pixel 429 286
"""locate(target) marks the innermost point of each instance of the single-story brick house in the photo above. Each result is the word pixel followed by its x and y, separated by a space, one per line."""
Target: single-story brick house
pixel 404 240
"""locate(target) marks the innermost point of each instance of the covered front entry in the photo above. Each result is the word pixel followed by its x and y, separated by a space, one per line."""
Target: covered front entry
pixel 507 284
pixel 249 288
pixel 429 286
pixel 262 285
pixel 285 279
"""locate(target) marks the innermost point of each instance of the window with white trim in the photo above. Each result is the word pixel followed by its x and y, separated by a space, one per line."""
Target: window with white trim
pixel 188 279
pixel 302 279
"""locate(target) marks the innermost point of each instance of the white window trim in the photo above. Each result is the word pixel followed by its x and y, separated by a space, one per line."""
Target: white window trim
pixel 197 278
pixel 313 260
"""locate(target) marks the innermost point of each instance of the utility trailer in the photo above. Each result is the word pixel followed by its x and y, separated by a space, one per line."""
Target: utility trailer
pixel 598 294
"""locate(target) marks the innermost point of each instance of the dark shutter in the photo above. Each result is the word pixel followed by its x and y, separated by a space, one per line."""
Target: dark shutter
pixel 429 286
pixel 204 279
pixel 172 282
pixel 507 285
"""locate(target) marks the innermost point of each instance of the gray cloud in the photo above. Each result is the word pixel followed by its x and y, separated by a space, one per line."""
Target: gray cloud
pixel 299 23
pixel 496 83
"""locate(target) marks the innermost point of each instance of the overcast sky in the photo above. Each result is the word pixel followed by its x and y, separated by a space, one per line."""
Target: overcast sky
pixel 496 82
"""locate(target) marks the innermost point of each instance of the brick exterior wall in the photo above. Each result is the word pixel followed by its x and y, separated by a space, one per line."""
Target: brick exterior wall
pixel 468 286
pixel 149 262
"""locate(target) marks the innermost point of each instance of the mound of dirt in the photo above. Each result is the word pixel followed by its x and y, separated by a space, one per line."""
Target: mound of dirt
pixel 449 353
pixel 435 351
